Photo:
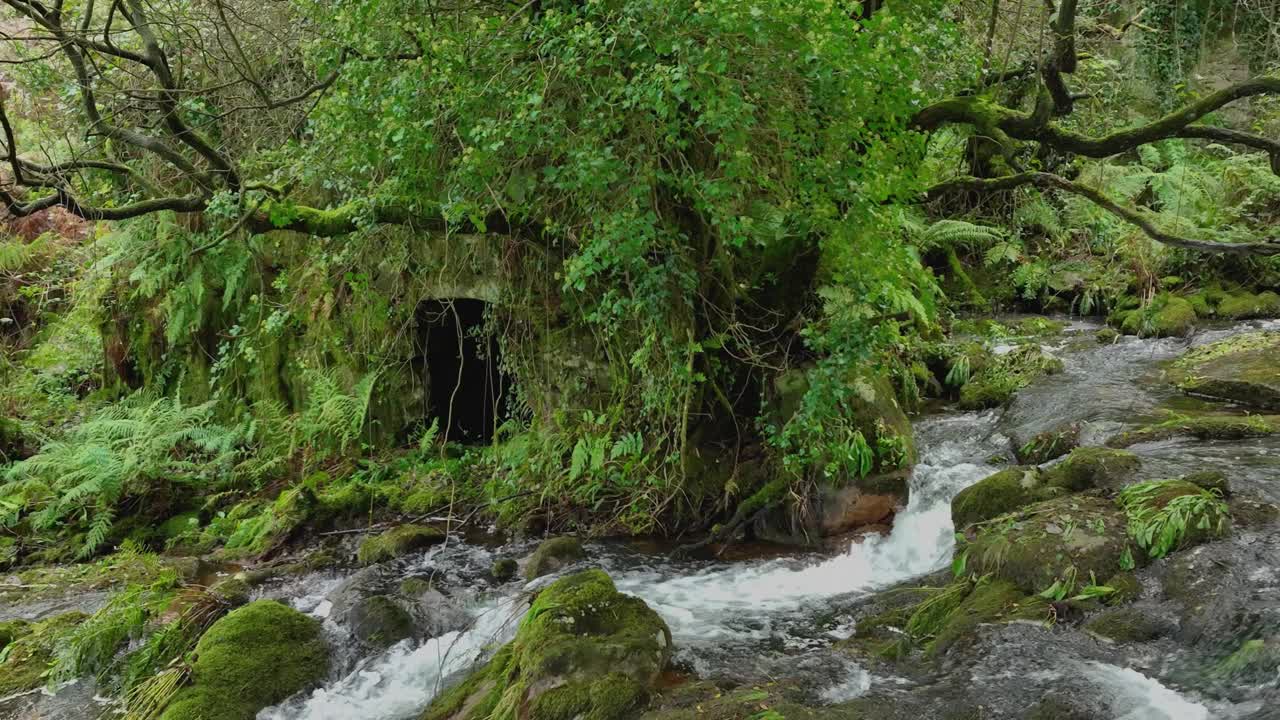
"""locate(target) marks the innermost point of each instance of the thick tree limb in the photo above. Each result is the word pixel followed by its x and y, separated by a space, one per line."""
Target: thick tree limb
pixel 1044 181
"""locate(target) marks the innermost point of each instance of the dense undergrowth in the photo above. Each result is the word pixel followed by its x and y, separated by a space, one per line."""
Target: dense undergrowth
pixel 740 328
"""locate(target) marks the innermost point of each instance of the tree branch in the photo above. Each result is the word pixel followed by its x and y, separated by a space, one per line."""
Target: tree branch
pixel 1042 180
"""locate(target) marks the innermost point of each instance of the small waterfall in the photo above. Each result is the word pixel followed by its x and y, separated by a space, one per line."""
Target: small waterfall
pixel 1134 696
pixel 399 683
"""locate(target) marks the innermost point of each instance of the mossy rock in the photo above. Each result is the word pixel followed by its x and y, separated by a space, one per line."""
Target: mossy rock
pixel 988 602
pixel 1064 540
pixel 1125 586
pixel 504 569
pixel 1093 467
pixel 232 591
pixel 1201 427
pixel 1165 316
pixel 584 650
pixel 1049 445
pixel 554 555
pixel 396 543
pixel 1003 492
pixel 11 630
pixel 1169 515
pixel 1127 625
pixel 1242 369
pixel 1255 662
pixel 1106 336
pixel 254 657
pixel 379 622
pixel 1066 707
pixel 1248 306
pixel 995 384
pixel 30 650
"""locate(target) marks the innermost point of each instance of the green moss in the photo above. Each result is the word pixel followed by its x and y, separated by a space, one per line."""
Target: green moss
pixel 552 555
pixel 29 653
pixel 1093 467
pixel 583 650
pixel 1049 445
pixel 1126 588
pixel 1204 427
pixel 988 602
pixel 1066 540
pixel 1167 315
pixel 1245 306
pixel 233 591
pixel 378 621
pixel 504 569
pixel 11 630
pixel 998 494
pixel 397 542
pixel 254 657
pixel 994 384
pixel 1107 336
pixel 1240 369
pixel 1126 625
pixel 1254 662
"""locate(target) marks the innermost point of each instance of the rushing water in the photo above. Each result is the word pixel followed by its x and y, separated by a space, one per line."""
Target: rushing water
pixel 777 618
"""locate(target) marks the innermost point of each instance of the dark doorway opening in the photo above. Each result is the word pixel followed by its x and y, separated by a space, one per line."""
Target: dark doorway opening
pixel 467 390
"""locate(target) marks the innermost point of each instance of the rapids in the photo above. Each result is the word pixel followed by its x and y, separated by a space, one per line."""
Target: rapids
pixel 760 620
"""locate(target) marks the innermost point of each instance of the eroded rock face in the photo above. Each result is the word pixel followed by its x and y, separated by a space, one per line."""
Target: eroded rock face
pixel 256 656
pixel 584 650
pixel 1244 369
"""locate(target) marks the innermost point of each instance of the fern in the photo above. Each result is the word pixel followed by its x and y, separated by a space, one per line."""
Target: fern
pixel 332 418
pixel 124 450
pixel 958 233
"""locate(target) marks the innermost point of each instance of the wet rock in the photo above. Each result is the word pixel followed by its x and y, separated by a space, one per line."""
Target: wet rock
pixel 378 622
pixel 1252 512
pixel 996 383
pixel 988 602
pixel 27 655
pixel 583 650
pixel 1093 467
pixel 233 591
pixel 1049 445
pixel 395 543
pixel 1125 588
pixel 1224 592
pixel 1203 427
pixel 1241 369
pixel 1128 624
pixel 1170 515
pixel 554 555
pixel 1067 707
pixel 1003 492
pixel 846 502
pixel 254 657
pixel 1066 540
pixel 504 569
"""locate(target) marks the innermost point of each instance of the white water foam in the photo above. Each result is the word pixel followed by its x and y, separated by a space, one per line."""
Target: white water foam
pixel 399 683
pixel 710 607
pixel 1134 696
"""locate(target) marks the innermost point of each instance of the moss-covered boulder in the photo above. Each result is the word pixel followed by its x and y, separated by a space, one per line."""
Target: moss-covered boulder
pixel 1243 369
pixel 995 384
pixel 1128 624
pixel 1169 515
pixel 988 602
pixel 1248 306
pixel 1200 427
pixel 1049 445
pixel 1003 492
pixel 1093 467
pixel 377 621
pixel 553 555
pixel 397 542
pixel 1062 541
pixel 584 650
pixel 1166 315
pixel 845 501
pixel 254 657
pixel 1125 588
pixel 27 654
pixel 504 569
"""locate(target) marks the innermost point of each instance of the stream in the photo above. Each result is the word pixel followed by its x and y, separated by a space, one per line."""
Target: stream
pixel 761 620
pixel 775 618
